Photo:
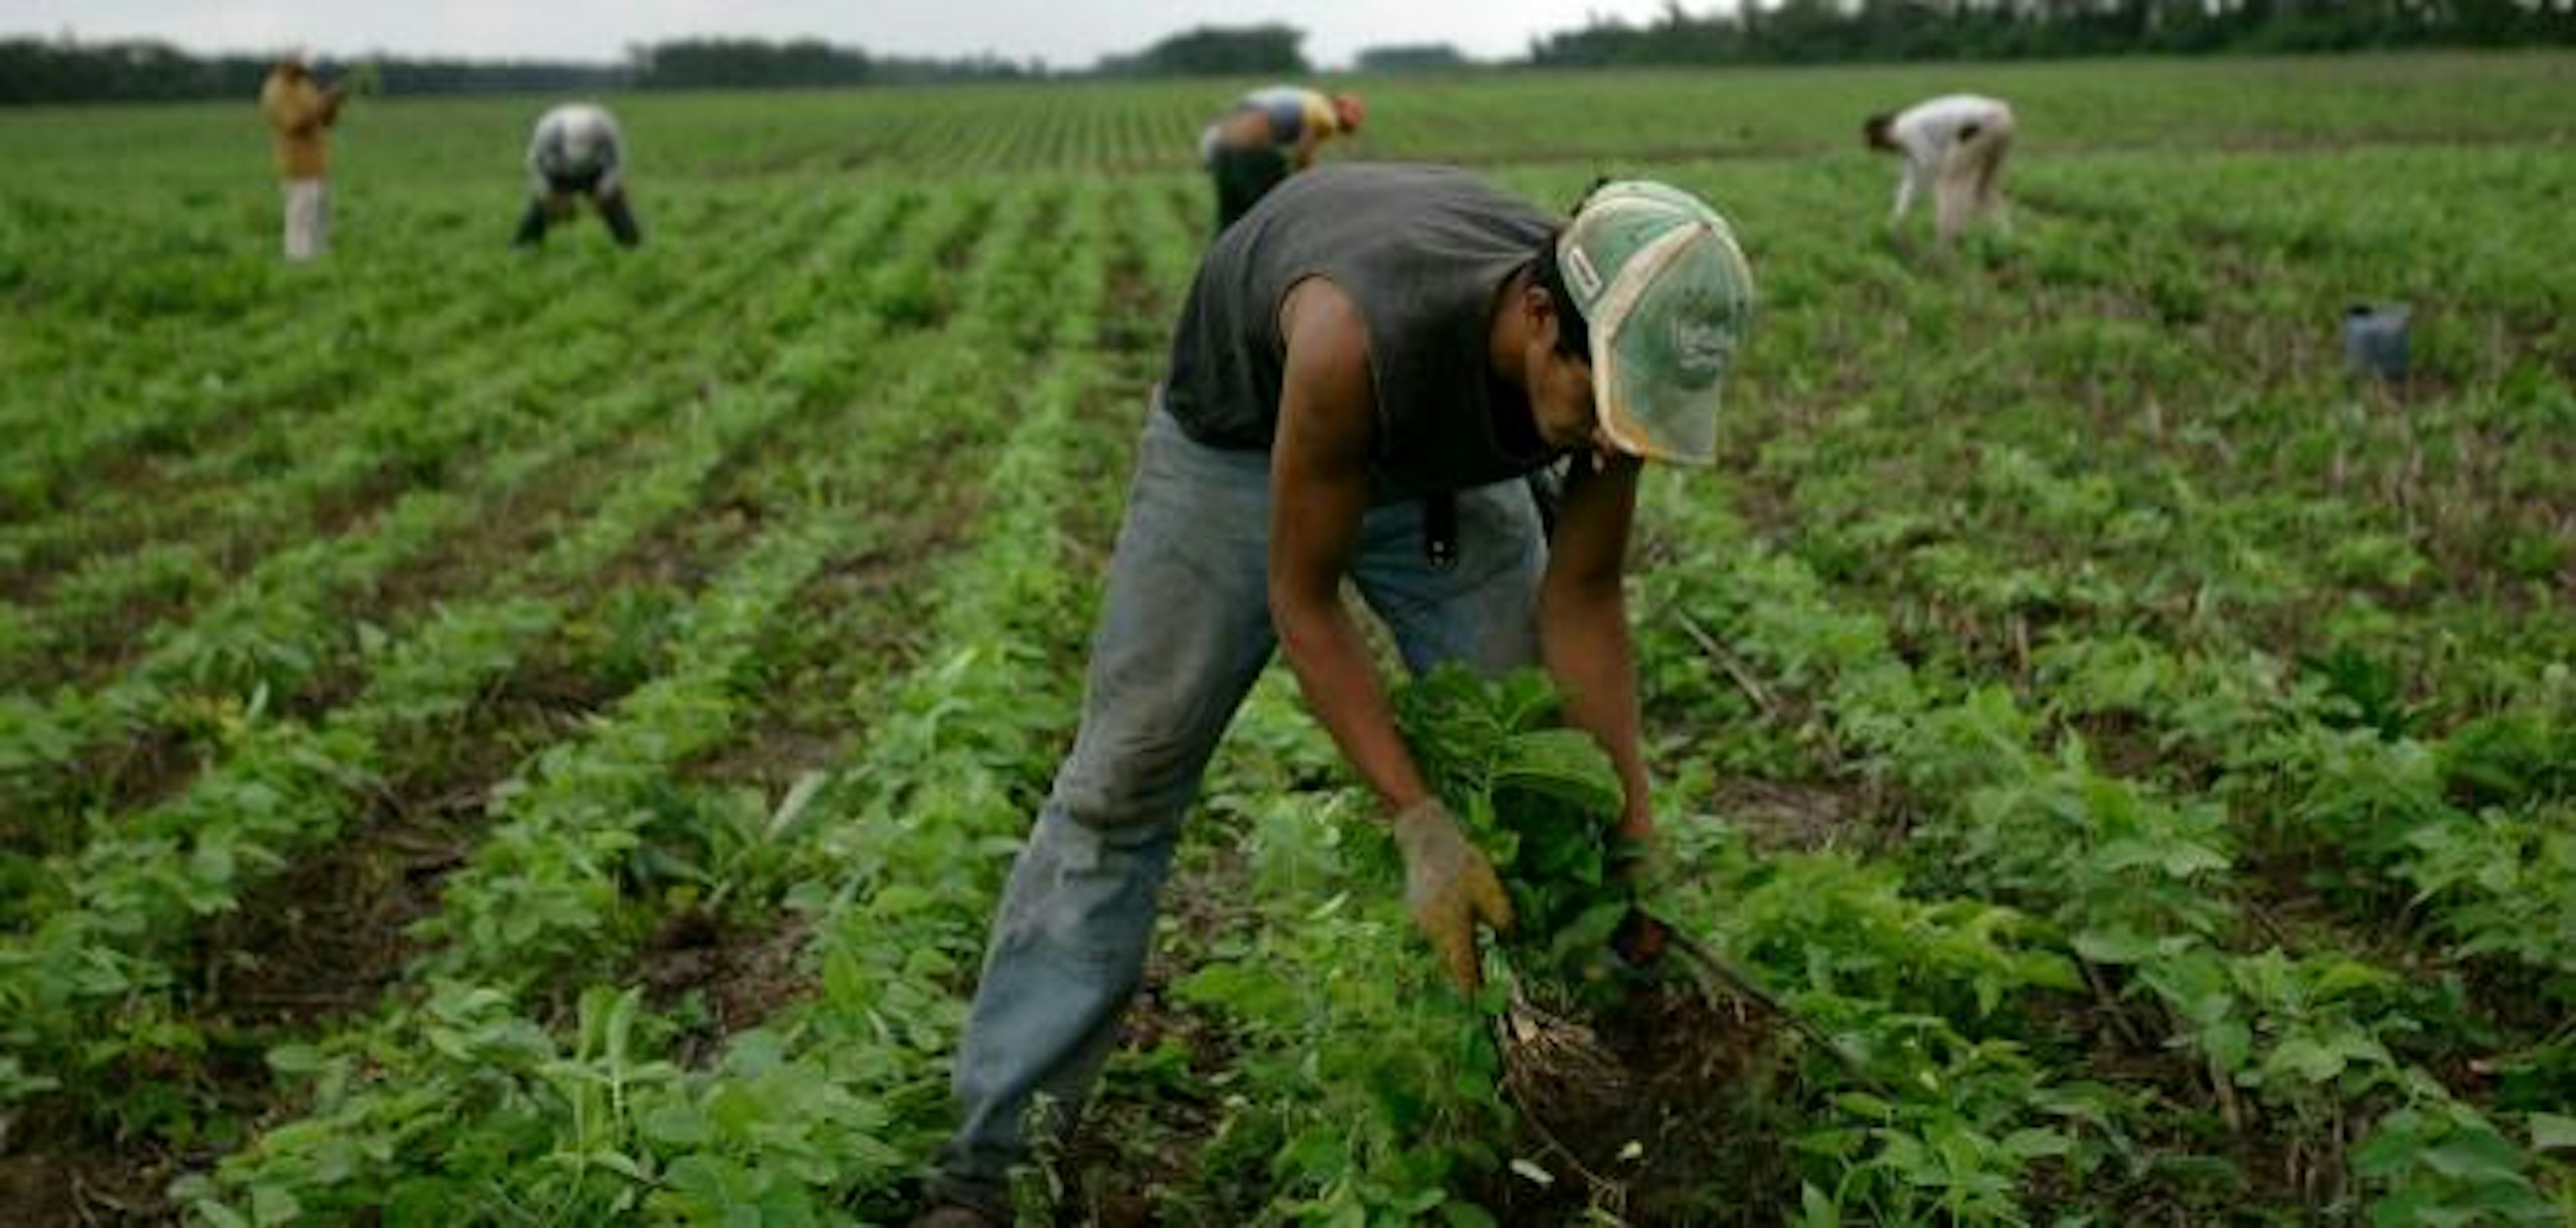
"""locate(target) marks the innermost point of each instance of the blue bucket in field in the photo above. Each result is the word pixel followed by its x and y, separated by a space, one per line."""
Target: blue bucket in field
pixel 2374 340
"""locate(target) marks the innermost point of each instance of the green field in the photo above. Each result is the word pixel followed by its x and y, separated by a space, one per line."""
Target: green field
pixel 535 738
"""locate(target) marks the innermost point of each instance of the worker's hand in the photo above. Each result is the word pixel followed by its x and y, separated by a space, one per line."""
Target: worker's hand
pixel 1635 856
pixel 1449 887
pixel 1636 860
pixel 1640 938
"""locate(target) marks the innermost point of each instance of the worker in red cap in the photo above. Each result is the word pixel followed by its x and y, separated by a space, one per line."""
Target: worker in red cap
pixel 1268 135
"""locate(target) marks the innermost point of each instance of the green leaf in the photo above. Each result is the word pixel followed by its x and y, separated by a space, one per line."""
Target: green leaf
pixel 1565 764
pixel 1321 1155
pixel 621 1163
pixel 1815 1210
pixel 2344 976
pixel 1467 1215
pixel 677 1125
pixel 2115 946
pixel 1862 1104
pixel 295 1059
pixel 218 1214
pixel 2475 1153
pixel 271 1204
pixel 2031 1143
pixel 2551 1132
pixel 2306 1058
pixel 2390 1151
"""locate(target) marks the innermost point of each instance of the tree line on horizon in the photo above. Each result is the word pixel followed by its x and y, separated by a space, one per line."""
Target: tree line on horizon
pixel 38 70
pixel 1845 31
pixel 35 70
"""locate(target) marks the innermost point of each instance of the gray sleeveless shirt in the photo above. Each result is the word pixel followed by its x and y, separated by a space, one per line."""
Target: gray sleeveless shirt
pixel 1423 252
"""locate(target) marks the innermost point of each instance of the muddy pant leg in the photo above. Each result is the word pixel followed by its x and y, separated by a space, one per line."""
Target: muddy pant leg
pixel 1955 192
pixel 532 224
pixel 1184 632
pixel 321 218
pixel 1066 954
pixel 620 217
pixel 1990 176
pixel 308 219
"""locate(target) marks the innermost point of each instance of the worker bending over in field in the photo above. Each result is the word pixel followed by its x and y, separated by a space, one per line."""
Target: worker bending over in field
pixel 298 109
pixel 1956 143
pixel 1365 370
pixel 577 152
pixel 1269 135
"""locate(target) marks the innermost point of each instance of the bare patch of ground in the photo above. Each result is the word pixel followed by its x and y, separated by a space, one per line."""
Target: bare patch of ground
pixel 1137 1145
pixel 1802 815
pixel 1661 1113
pixel 740 974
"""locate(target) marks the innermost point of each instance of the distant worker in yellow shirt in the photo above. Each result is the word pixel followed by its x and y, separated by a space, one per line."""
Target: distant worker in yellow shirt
pixel 298 109
pixel 1269 135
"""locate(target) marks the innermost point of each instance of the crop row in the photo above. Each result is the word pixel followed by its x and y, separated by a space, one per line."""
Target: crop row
pixel 285 624
pixel 499 1071
pixel 288 471
pixel 2133 885
pixel 284 787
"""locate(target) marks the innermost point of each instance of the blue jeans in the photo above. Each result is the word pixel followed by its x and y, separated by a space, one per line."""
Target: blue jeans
pixel 1184 632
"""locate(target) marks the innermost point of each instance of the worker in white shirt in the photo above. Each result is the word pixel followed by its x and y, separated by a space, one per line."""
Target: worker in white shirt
pixel 1956 143
pixel 575 153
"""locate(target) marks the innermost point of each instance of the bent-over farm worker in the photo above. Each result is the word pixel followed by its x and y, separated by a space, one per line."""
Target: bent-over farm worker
pixel 577 152
pixel 1268 135
pixel 1955 144
pixel 1366 368
pixel 298 109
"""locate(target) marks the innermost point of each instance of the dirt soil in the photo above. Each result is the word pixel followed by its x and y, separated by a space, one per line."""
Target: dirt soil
pixel 1650 1114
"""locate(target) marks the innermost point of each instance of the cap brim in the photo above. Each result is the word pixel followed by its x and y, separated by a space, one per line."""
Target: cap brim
pixel 1651 403
pixel 1631 407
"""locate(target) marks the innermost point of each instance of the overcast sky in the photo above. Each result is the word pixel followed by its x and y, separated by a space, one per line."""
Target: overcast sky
pixel 1065 33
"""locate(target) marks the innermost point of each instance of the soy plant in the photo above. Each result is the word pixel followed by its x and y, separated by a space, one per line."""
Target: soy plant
pixel 548 888
pixel 127 906
pixel 2472 828
pixel 1944 1112
pixel 557 882
pixel 895 861
pixel 1950 1108
pixel 1359 1094
pixel 1359 1088
pixel 2441 1161
pixel 1623 1067
pixel 2140 886
pixel 1537 797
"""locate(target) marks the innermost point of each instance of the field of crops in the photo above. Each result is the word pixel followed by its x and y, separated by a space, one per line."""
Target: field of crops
pixel 535 738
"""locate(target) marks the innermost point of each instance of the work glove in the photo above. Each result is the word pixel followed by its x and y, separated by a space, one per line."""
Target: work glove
pixel 1448 887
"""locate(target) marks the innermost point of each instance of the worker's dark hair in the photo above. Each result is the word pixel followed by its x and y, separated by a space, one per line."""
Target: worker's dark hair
pixel 1874 130
pixel 1573 332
